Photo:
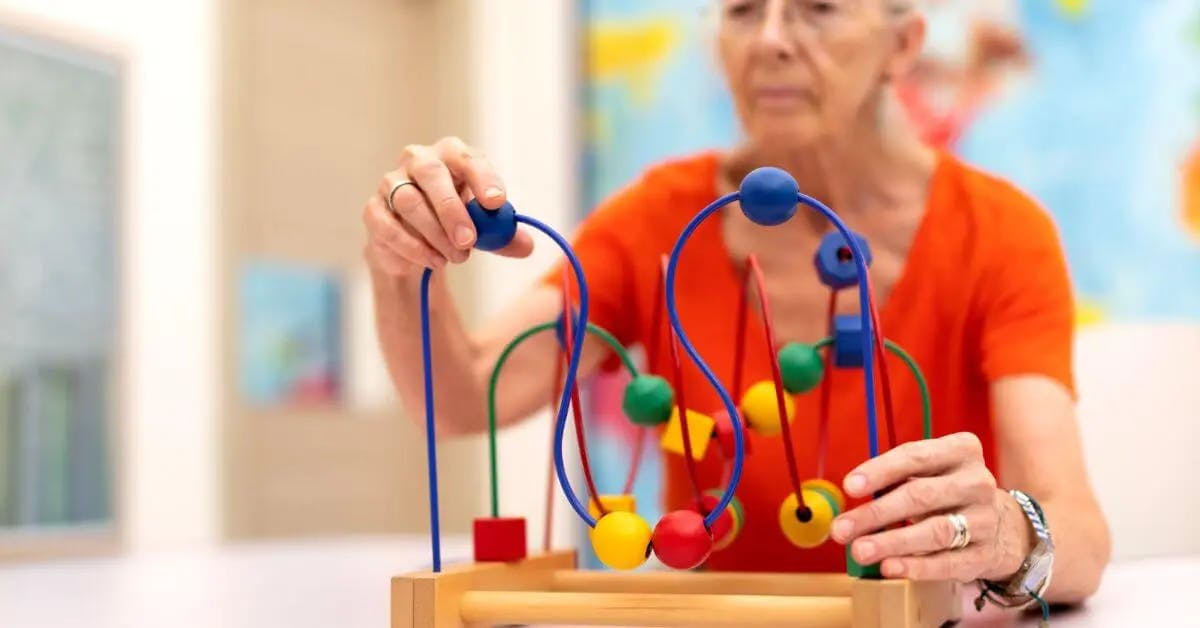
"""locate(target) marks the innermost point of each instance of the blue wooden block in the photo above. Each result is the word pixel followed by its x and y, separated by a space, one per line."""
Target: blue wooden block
pixel 834 262
pixel 848 341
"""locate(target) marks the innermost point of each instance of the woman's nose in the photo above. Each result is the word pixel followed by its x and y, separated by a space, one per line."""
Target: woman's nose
pixel 774 33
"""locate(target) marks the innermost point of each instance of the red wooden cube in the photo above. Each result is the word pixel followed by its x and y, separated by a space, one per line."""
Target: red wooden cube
pixel 499 539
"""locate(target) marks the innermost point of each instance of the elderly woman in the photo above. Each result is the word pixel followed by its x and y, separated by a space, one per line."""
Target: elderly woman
pixel 969 271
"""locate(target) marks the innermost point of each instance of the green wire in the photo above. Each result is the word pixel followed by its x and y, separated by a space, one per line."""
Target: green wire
pixel 595 330
pixel 926 404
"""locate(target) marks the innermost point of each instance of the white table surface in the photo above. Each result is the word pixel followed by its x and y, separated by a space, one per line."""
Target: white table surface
pixel 344 582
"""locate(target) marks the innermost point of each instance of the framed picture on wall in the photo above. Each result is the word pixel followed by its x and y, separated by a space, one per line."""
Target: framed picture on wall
pixel 62 120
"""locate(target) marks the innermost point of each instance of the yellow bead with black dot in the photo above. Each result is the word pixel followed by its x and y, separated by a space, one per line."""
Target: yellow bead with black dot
pixel 807 527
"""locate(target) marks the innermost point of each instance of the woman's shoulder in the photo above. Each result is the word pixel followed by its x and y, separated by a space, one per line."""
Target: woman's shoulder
pixel 994 206
pixel 665 192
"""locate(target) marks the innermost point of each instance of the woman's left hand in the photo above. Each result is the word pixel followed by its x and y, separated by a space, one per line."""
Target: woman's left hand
pixel 930 480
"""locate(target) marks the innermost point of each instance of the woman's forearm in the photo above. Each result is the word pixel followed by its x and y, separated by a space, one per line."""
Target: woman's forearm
pixel 1082 548
pixel 458 390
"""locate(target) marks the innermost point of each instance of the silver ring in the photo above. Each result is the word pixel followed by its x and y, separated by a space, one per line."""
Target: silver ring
pixel 391 194
pixel 962 533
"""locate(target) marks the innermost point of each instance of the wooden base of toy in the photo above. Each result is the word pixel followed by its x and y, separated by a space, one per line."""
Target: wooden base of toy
pixel 547 589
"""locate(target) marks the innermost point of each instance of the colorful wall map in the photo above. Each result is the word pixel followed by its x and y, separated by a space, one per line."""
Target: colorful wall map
pixel 1093 106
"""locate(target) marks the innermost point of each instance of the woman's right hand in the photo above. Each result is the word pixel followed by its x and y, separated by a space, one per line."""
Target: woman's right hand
pixel 425 224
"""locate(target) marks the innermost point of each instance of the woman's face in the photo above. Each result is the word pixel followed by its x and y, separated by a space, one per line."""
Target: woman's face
pixel 800 70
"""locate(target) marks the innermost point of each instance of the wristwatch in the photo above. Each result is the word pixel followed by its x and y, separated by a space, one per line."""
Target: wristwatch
pixel 1033 578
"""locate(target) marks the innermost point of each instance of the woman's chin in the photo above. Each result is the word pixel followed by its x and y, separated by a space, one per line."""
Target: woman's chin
pixel 785 132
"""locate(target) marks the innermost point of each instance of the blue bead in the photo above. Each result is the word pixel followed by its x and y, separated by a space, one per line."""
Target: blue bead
pixel 768 196
pixel 494 228
pixel 834 262
pixel 848 341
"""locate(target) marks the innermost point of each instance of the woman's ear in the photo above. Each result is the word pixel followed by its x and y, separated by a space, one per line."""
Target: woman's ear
pixel 909 33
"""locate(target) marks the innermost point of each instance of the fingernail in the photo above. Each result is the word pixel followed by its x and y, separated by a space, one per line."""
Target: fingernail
pixel 856 484
pixel 464 236
pixel 892 568
pixel 842 529
pixel 493 193
pixel 864 552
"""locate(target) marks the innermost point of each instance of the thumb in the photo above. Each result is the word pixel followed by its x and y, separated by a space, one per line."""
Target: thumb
pixel 521 245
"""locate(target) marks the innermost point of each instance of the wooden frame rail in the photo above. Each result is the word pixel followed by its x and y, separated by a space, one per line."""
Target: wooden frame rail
pixel 548 589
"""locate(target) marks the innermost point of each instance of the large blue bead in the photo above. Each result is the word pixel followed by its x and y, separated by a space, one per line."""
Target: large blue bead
pixel 848 339
pixel 768 196
pixel 834 262
pixel 494 228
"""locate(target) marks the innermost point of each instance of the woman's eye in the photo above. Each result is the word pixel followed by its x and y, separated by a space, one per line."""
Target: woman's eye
pixel 740 10
pixel 821 7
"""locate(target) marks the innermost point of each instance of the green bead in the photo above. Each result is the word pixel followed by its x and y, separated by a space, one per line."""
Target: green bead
pixel 801 367
pixel 648 400
pixel 865 572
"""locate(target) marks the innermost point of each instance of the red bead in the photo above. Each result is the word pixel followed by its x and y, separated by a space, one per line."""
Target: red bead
pixel 723 431
pixel 681 541
pixel 499 540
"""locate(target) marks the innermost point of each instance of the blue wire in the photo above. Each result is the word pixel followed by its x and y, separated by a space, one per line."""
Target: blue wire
pixel 738 439
pixel 577 338
pixel 430 436
pixel 864 302
pixel 730 407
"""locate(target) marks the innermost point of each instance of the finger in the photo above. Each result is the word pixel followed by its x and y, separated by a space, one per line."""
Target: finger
pixel 917 499
pixel 474 169
pixel 962 565
pixel 413 209
pixel 384 229
pixel 387 261
pixel 436 183
pixel 933 534
pixel 521 246
pixel 917 458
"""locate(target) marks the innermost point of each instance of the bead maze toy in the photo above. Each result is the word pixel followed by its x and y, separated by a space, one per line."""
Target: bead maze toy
pixel 507 585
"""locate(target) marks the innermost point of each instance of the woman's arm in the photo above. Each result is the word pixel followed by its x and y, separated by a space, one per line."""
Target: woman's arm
pixel 413 232
pixel 1041 454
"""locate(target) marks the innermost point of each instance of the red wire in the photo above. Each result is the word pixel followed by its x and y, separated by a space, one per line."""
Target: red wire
pixel 682 408
pixel 639 445
pixel 881 358
pixel 764 305
pixel 739 344
pixel 568 326
pixel 826 390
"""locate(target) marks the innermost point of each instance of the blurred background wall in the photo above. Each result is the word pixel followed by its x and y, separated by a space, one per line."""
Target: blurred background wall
pixel 245 396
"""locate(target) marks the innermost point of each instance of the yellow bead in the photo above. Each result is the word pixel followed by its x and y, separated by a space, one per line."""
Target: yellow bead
pixel 613 503
pixel 761 408
pixel 620 540
pixel 811 533
pixel 700 430
pixel 819 484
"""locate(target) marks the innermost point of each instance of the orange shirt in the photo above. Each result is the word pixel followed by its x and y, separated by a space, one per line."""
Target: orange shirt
pixel 984 294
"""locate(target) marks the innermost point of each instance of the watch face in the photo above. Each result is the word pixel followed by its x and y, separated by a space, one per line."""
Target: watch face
pixel 1039 568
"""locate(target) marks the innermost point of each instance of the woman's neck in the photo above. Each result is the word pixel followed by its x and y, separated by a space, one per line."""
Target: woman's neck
pixel 879 163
